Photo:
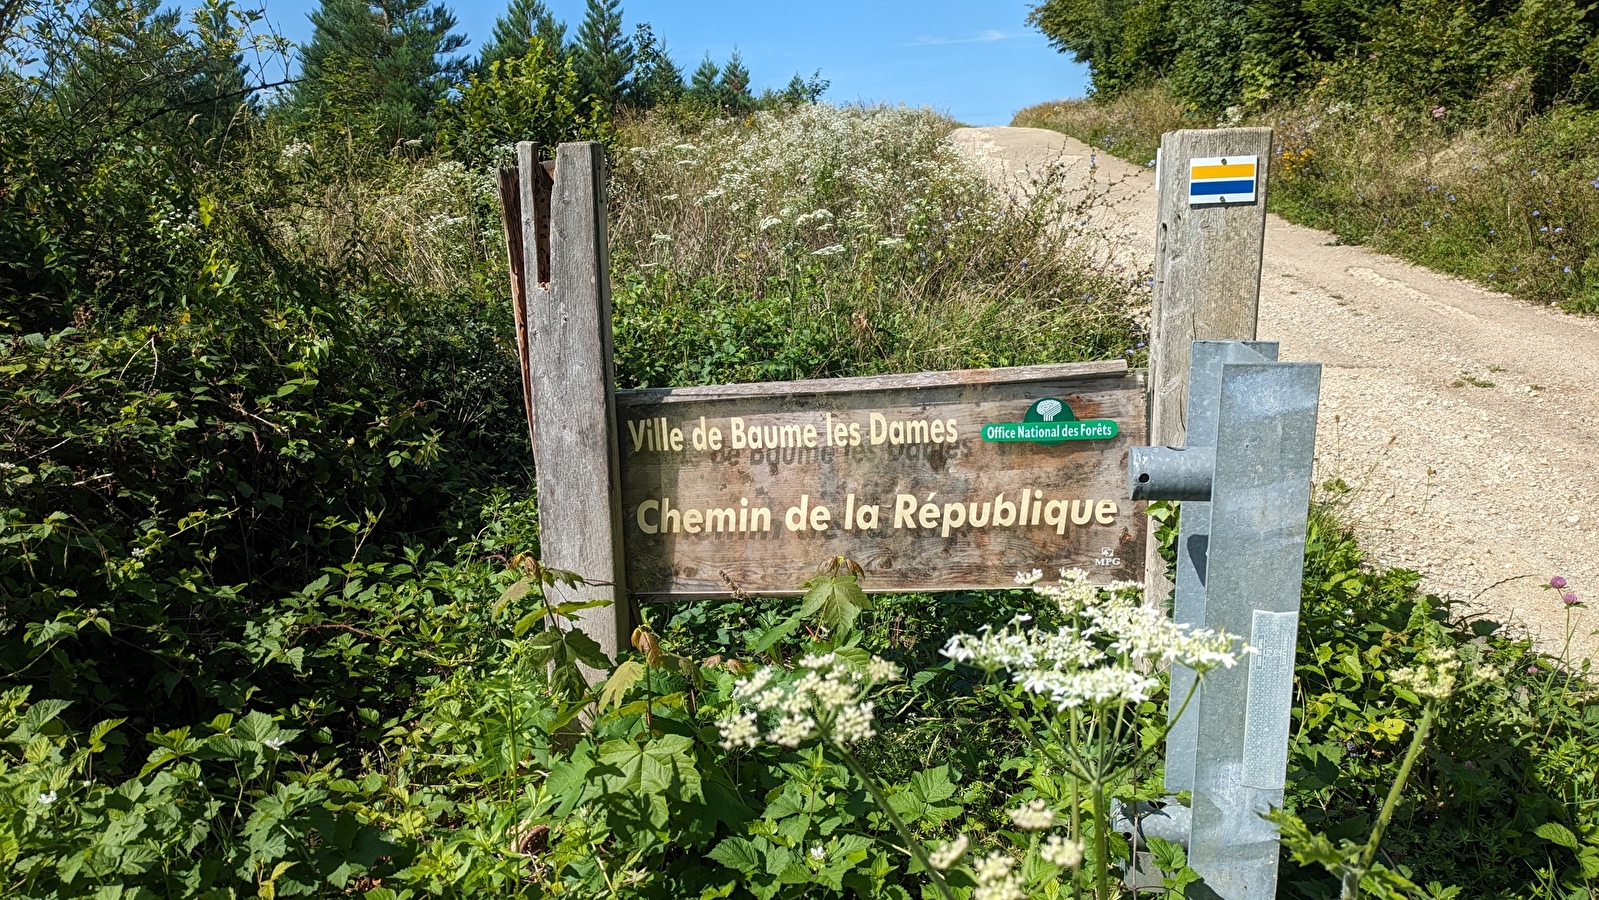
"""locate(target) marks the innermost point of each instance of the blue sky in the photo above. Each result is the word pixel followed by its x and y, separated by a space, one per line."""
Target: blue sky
pixel 978 61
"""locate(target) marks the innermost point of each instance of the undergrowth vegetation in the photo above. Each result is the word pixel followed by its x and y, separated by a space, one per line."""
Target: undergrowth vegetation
pixel 1456 136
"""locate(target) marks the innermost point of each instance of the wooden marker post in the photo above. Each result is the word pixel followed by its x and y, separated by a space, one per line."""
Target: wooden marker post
pixel 573 382
pixel 1209 235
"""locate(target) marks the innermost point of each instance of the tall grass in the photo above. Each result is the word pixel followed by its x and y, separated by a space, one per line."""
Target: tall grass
pixel 821 240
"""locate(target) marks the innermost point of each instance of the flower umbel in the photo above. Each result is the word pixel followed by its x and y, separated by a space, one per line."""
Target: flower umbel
pixel 1034 816
pixel 949 853
pixel 824 697
pixel 1097 661
pixel 1061 852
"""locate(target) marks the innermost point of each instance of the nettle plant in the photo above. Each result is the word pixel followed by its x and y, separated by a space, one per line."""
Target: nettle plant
pixel 1076 681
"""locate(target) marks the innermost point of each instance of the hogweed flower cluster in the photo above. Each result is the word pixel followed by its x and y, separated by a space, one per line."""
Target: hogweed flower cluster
pixel 1439 672
pixel 949 853
pixel 1095 662
pixel 996 879
pixel 827 700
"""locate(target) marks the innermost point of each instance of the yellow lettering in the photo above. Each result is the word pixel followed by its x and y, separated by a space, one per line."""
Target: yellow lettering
pixel 692 520
pixel 737 425
pixel 1106 513
pixel 820 517
pixel 879 429
pixel 1055 514
pixel 794 519
pixel 643 525
pixel 904 508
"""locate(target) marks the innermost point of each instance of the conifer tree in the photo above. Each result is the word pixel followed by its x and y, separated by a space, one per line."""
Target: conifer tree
pixel 703 86
pixel 378 67
pixel 523 20
pixel 735 83
pixel 603 56
pixel 656 79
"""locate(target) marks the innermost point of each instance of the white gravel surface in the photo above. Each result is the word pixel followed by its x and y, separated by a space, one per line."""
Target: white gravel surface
pixel 1465 421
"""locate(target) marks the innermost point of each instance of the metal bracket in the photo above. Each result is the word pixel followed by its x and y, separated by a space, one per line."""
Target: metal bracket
pixel 1244 480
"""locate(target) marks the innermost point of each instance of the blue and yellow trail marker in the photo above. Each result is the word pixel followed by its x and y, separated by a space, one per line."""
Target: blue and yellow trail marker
pixel 1219 180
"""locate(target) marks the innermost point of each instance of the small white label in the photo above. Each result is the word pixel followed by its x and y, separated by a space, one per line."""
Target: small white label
pixel 1270 699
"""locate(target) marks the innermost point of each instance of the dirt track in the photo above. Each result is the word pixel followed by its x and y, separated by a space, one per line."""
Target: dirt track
pixel 1467 422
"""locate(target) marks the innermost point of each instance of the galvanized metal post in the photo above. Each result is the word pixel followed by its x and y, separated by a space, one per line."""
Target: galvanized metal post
pixel 1252 424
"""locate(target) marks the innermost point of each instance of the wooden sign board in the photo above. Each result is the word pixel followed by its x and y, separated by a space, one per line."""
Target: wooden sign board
pixel 932 482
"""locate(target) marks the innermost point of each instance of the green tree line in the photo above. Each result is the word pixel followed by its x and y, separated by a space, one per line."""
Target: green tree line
pixel 1441 53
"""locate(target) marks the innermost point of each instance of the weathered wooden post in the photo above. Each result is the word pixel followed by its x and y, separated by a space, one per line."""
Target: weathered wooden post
pixel 1244 480
pixel 1209 235
pixel 575 453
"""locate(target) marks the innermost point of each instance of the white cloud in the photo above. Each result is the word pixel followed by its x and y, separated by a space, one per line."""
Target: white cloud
pixel 988 36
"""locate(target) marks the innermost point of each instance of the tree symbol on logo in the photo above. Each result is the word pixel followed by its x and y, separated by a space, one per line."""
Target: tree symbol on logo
pixel 1049 409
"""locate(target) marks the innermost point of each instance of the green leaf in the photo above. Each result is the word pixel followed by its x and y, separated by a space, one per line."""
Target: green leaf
pixel 1558 833
pixel 838 598
pixel 1169 857
pixel 737 854
pixel 621 681
pixel 664 767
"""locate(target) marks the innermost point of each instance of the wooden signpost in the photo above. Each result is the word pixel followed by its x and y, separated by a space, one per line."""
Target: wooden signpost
pixel 941 481
pixel 930 481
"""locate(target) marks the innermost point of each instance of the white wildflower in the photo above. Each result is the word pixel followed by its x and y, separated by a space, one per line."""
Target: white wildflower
pixel 793 730
pixel 274 743
pixel 661 238
pixel 1034 816
pixel 880 670
pixel 831 250
pixel 752 684
pixel 818 853
pixel 47 798
pixel 995 881
pixel 853 724
pixel 739 730
pixel 813 661
pixel 948 853
pixel 891 242
pixel 1439 672
pixel 669 198
pixel 1062 852
pixel 770 222
pixel 1096 662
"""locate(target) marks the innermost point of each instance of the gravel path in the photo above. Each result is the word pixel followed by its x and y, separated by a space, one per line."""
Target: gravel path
pixel 1466 422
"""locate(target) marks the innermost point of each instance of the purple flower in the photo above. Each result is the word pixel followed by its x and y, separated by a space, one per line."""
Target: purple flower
pixel 1438 112
pixel 1569 597
pixel 1568 270
pixel 1536 213
pixel 1557 582
pixel 1471 766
